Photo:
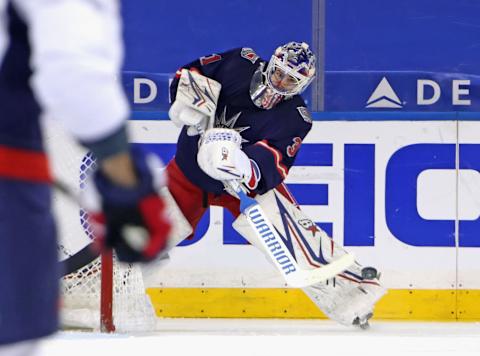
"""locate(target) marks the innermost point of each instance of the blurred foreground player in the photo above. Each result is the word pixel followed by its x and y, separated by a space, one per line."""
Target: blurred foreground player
pixel 61 57
pixel 244 120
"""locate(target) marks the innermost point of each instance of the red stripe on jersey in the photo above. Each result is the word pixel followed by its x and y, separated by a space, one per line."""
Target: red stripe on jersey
pixel 21 164
pixel 281 168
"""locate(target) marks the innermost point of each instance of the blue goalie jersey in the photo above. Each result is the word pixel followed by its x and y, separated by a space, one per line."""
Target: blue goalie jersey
pixel 270 137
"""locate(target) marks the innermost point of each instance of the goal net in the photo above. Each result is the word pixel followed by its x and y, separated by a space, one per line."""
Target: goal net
pixel 102 294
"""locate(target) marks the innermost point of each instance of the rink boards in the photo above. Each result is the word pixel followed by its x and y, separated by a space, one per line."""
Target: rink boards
pixel 402 194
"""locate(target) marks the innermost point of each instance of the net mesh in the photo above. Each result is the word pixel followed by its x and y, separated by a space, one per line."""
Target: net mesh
pixel 132 310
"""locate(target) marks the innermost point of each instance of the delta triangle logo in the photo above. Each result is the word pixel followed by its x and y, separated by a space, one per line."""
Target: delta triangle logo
pixel 384 97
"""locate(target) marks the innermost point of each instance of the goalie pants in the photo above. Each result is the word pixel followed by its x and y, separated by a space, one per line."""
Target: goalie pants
pixel 28 262
pixel 193 201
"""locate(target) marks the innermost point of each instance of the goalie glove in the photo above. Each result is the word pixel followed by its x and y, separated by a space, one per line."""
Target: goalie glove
pixel 182 114
pixel 221 157
pixel 196 102
pixel 132 221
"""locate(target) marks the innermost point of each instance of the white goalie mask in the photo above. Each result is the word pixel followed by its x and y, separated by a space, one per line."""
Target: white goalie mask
pixel 289 72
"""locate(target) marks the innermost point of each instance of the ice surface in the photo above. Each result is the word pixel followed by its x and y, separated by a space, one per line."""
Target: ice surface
pixel 255 337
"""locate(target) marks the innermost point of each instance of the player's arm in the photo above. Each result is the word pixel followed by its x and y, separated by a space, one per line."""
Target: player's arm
pixel 76 58
pixel 260 167
pixel 274 158
pixel 120 169
pixel 123 199
pixel 275 154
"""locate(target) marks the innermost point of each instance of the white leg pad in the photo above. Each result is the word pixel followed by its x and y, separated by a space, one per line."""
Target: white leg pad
pixel 344 298
pixel 181 227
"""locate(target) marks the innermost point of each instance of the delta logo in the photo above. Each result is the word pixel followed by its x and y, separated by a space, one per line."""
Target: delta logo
pixel 384 97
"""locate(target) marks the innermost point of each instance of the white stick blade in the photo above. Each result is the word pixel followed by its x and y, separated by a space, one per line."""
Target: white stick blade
pixel 304 278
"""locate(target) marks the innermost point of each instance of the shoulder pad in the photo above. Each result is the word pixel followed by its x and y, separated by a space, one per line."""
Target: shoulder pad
pixel 305 114
pixel 249 54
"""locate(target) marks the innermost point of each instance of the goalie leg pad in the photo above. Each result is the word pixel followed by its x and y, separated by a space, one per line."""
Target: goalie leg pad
pixel 310 245
pixel 284 237
pixel 347 298
pixel 344 298
pixel 181 229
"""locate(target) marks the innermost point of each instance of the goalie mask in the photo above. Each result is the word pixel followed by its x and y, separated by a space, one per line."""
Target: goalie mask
pixel 289 72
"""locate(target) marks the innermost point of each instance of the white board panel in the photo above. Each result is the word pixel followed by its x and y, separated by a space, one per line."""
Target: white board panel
pixel 469 199
pixel 210 263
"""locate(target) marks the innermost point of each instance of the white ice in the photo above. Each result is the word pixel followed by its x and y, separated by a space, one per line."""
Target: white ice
pixel 255 337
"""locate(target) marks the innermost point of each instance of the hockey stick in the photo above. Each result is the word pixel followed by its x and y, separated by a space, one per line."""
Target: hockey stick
pixel 278 252
pixel 78 260
pixel 87 254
